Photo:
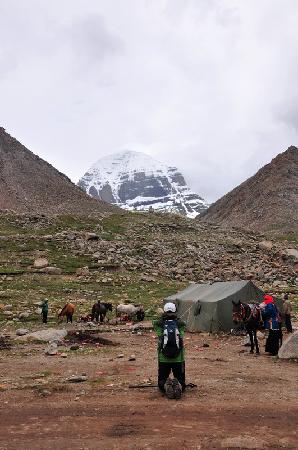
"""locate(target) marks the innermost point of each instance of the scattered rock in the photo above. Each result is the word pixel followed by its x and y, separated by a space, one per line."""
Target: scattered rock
pixel 52 270
pixel 41 263
pixel 265 245
pixel 63 355
pixel 77 378
pixel 24 315
pixel 146 326
pixel 82 272
pixel 132 358
pixel 120 356
pixel 292 253
pixel 48 335
pixel 45 393
pixel 92 237
pixel 51 349
pixel 7 307
pixel 22 332
pixel 147 278
pixel 289 349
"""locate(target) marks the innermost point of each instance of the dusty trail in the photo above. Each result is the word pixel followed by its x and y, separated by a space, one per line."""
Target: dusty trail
pixel 241 401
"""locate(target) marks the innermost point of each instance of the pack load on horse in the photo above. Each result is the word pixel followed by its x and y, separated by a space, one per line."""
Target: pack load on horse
pixel 99 310
pixel 250 314
pixel 130 312
pixel 67 311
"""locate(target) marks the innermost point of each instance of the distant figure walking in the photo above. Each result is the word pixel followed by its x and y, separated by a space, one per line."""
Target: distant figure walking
pixel 45 310
pixel 67 311
pixel 287 313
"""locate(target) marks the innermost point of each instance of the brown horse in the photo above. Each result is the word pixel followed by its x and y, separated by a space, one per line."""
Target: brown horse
pixel 67 311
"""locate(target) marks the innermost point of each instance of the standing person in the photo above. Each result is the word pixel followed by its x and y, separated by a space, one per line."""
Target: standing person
pixel 45 310
pixel 270 316
pixel 287 313
pixel 170 331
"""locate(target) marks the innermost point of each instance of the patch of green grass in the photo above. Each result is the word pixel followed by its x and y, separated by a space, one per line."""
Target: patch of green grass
pixel 35 376
pixel 291 237
pixel 75 223
pixel 10 270
pixel 97 381
pixel 115 224
pixel 69 264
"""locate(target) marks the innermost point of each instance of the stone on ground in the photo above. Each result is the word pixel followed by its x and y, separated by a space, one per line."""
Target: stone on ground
pixel 292 252
pixel 51 334
pixel 77 379
pixel 41 263
pixel 289 349
pixel 51 349
pixel 22 331
pixel 265 245
pixel 52 270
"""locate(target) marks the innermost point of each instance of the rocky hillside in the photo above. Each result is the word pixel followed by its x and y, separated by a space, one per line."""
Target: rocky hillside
pixel 28 184
pixel 135 181
pixel 268 201
pixel 141 258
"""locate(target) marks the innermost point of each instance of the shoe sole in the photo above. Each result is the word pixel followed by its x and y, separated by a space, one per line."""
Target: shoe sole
pixel 177 389
pixel 169 390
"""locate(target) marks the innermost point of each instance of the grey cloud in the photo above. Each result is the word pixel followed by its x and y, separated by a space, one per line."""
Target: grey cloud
pixel 90 42
pixel 208 86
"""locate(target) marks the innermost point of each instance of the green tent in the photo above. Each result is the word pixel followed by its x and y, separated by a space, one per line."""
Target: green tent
pixel 208 307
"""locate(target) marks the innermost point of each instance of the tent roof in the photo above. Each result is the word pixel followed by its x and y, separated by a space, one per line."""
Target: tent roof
pixel 209 292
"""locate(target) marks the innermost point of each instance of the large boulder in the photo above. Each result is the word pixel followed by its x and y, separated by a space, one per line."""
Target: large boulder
pixel 52 270
pixel 289 349
pixel 40 263
pixel 265 245
pixel 49 335
pixel 51 349
pixel 22 331
pixel 292 253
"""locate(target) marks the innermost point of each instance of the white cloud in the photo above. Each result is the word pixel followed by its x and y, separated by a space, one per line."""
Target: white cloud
pixel 207 85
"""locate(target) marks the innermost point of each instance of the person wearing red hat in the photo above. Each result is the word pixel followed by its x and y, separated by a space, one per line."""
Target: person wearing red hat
pixel 270 316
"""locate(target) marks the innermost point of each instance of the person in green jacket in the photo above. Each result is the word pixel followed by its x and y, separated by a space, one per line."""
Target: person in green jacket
pixel 171 357
pixel 45 310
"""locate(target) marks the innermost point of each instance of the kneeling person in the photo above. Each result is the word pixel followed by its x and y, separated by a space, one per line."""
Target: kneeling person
pixel 170 332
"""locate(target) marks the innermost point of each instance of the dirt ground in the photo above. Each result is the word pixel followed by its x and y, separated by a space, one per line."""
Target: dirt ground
pixel 241 401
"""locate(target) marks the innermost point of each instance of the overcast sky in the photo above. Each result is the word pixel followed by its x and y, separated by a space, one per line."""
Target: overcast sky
pixel 210 86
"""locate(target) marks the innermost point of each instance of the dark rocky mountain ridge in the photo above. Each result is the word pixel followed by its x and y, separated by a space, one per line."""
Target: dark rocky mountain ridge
pixel 268 201
pixel 28 184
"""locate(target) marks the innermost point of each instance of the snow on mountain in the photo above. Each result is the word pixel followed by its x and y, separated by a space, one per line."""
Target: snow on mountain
pixel 135 181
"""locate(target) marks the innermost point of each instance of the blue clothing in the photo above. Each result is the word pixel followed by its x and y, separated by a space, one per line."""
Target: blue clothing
pixel 270 316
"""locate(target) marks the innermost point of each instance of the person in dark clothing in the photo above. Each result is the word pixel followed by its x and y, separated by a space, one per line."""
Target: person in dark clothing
pixel 287 313
pixel 270 315
pixel 45 310
pixel 174 363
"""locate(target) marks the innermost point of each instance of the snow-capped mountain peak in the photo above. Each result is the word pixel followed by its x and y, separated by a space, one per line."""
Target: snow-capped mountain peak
pixel 134 180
